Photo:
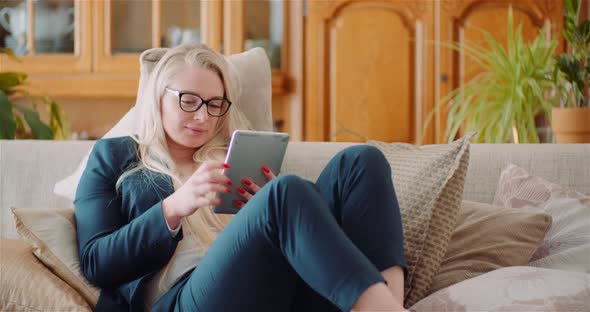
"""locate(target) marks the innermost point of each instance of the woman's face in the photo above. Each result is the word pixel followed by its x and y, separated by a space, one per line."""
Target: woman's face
pixel 184 129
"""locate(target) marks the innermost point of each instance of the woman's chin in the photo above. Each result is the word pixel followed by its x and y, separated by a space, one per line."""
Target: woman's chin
pixel 193 141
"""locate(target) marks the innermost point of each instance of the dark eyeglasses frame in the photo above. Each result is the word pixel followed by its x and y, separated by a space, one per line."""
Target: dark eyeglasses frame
pixel 203 101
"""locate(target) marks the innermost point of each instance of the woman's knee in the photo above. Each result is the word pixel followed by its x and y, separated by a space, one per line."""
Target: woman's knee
pixel 289 183
pixel 285 194
pixel 366 155
pixel 290 189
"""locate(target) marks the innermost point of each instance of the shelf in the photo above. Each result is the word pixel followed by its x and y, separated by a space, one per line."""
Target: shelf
pixel 97 85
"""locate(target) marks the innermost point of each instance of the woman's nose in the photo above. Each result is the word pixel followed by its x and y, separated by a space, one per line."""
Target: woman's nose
pixel 201 113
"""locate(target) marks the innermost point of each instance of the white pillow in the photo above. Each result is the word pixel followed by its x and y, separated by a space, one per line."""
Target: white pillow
pixel 567 244
pixel 251 76
pixel 515 288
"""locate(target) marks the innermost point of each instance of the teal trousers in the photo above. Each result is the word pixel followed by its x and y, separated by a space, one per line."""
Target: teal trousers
pixel 302 246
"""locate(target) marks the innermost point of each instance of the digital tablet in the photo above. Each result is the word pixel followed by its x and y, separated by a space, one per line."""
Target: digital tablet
pixel 248 151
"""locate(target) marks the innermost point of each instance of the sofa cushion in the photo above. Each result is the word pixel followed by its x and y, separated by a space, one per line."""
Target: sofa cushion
pixel 27 284
pixel 52 235
pixel 487 238
pixel 567 244
pixel 428 181
pixel 513 289
pixel 250 75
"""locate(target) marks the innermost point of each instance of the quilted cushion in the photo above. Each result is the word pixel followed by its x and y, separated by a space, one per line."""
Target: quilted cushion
pixel 428 181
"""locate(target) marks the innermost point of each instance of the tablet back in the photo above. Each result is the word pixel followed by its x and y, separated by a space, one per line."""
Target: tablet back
pixel 248 151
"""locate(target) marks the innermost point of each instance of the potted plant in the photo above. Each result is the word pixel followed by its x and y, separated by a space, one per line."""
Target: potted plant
pixel 501 102
pixel 571 120
pixel 14 117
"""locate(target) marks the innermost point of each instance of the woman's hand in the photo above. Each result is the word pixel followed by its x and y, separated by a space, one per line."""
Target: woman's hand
pixel 249 188
pixel 194 193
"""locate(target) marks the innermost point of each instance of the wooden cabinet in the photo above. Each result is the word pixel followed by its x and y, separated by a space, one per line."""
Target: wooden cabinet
pixel 343 70
pixel 373 69
pixel 109 35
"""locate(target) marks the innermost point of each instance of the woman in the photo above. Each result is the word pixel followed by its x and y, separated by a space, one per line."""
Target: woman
pixel 149 240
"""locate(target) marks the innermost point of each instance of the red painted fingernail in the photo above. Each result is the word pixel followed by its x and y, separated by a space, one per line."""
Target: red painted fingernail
pixel 241 190
pixel 226 166
pixel 229 182
pixel 247 181
pixel 238 203
pixel 265 168
pixel 228 190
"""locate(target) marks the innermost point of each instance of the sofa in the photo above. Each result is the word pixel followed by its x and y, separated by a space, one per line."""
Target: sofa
pixel 29 170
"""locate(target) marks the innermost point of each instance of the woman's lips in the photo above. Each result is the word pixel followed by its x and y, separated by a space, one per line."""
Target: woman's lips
pixel 195 130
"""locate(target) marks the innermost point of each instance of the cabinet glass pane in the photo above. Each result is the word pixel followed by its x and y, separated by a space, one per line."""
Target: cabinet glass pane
pixel 13 26
pixel 264 28
pixel 54 26
pixel 180 22
pixel 131 26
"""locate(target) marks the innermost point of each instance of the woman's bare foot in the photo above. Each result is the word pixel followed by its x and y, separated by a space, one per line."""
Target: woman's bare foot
pixel 377 298
pixel 395 282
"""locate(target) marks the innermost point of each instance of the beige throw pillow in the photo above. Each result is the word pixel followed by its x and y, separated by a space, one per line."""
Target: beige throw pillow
pixel 52 235
pixel 488 238
pixel 428 181
pixel 27 285
pixel 250 74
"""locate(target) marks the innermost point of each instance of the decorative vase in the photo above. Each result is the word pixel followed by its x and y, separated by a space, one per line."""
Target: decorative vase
pixel 571 125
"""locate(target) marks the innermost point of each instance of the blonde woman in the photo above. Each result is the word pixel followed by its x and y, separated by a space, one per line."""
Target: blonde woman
pixel 149 240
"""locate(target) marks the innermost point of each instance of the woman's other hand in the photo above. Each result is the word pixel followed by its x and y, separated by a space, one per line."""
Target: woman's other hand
pixel 195 192
pixel 249 188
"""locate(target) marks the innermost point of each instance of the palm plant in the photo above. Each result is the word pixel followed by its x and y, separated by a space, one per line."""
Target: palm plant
pixel 501 102
pixel 572 70
pixel 13 116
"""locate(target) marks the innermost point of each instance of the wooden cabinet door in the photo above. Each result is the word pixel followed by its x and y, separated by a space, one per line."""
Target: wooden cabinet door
pixel 50 48
pixel 261 23
pixel 368 70
pixel 461 21
pixel 123 29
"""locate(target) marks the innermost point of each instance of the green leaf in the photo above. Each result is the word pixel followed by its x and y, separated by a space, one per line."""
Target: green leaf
pixel 585 31
pixel 11 79
pixel 58 120
pixel 10 54
pixel 7 123
pixel 20 125
pixel 569 6
pixel 39 130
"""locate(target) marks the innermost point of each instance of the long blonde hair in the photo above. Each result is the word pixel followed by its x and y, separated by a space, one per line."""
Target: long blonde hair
pixel 152 147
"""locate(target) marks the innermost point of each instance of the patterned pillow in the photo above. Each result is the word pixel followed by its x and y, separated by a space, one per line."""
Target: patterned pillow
pixel 513 289
pixel 428 181
pixel 27 285
pixel 567 244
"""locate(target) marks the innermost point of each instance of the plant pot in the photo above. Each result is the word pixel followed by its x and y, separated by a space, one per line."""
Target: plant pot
pixel 571 125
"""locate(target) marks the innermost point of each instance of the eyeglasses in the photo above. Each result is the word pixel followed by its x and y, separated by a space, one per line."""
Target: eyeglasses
pixel 190 102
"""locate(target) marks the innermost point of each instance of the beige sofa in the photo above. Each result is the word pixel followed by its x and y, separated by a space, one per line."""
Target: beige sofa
pixel 30 169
